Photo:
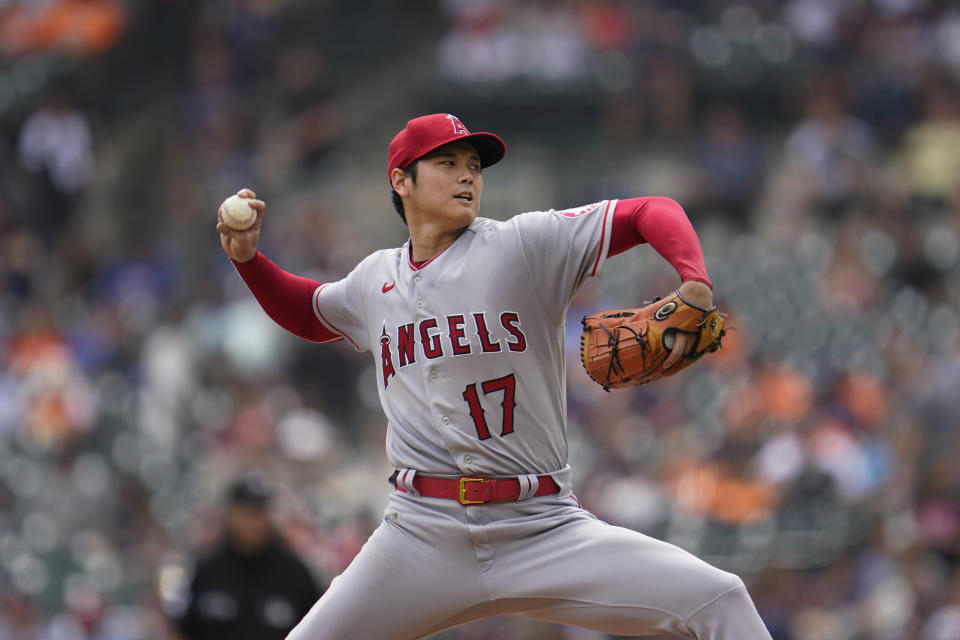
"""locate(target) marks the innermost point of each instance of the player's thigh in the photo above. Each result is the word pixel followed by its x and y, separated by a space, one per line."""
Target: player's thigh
pixel 404 583
pixel 731 616
pixel 591 574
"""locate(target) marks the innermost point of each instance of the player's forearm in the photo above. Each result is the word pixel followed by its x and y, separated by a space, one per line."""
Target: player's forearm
pixel 285 297
pixel 662 223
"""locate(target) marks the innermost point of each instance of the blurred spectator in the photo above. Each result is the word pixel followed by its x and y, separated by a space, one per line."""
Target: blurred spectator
pixel 480 48
pixel 497 42
pixel 608 25
pixel 57 146
pixel 931 149
pixel 84 618
pixel 78 27
pixel 251 586
pixel 730 163
pixel 831 152
pixel 944 623
pixel 18 618
pixel 816 22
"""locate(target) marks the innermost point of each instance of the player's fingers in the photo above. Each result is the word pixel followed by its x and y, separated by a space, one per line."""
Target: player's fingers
pixel 681 342
pixel 220 226
pixel 671 359
pixel 258 206
pixel 690 344
pixel 246 193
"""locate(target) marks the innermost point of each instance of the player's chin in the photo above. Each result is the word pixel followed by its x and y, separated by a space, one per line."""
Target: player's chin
pixel 463 213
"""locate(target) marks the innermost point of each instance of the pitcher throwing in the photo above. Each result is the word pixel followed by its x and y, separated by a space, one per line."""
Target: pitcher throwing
pixel 465 322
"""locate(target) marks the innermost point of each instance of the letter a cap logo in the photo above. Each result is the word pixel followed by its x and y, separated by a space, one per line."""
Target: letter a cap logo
pixel 458 127
pixel 426 133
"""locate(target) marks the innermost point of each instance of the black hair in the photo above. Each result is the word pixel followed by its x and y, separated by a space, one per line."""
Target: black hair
pixel 397 202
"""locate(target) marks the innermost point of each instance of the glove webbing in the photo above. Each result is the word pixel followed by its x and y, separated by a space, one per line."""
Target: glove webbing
pixel 613 341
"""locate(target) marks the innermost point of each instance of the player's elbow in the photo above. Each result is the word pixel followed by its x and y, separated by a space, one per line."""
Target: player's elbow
pixel 665 204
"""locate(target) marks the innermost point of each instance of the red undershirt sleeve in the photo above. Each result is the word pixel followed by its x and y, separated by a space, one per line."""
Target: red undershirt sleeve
pixel 285 297
pixel 662 223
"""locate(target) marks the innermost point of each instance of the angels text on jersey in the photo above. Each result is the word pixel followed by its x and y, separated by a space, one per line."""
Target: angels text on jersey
pixel 433 338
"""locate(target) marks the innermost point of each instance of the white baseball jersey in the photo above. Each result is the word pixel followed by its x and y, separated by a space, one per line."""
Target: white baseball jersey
pixel 470 363
pixel 470 346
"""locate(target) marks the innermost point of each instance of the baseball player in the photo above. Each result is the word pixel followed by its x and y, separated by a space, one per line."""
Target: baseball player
pixel 465 323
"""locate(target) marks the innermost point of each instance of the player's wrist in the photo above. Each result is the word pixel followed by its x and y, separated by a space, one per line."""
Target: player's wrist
pixel 696 279
pixel 248 261
pixel 697 293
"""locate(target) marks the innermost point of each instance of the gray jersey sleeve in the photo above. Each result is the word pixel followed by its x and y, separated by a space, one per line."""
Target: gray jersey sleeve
pixel 339 307
pixel 561 249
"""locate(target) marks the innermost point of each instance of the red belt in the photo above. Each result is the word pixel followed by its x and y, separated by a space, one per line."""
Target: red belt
pixel 469 490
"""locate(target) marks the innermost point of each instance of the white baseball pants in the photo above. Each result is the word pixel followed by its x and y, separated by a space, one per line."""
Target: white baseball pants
pixel 433 564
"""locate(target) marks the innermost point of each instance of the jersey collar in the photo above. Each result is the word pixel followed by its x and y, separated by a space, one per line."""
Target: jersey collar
pixel 408 248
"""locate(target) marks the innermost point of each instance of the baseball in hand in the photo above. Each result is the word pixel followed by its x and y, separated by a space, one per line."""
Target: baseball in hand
pixel 237 213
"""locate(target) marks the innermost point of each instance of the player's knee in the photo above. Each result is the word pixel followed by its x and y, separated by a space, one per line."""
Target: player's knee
pixel 728 613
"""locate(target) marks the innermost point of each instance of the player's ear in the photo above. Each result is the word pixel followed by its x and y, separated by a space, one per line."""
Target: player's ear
pixel 398 180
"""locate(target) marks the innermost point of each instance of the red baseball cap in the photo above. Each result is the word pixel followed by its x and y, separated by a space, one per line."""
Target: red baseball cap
pixel 426 133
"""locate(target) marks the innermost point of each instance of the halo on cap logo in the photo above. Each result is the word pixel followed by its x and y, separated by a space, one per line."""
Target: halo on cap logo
pixel 458 127
pixel 664 312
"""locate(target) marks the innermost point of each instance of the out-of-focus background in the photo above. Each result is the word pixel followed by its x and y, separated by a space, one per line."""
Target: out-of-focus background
pixel 814 143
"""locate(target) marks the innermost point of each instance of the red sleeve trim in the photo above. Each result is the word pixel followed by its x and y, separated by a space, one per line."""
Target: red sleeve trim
pixel 337 335
pixel 603 249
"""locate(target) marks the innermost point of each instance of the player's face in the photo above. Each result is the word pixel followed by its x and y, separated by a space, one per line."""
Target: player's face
pixel 448 186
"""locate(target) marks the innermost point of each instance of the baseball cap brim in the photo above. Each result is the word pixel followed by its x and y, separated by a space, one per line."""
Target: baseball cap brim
pixel 489 146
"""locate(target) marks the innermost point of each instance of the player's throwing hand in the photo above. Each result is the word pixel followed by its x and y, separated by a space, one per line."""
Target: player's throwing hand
pixel 241 246
pixel 697 294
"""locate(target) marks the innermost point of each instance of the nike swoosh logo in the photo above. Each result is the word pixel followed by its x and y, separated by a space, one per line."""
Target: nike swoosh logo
pixel 387 286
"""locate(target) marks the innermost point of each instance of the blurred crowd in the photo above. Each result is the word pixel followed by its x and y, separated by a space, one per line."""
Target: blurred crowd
pixel 814 143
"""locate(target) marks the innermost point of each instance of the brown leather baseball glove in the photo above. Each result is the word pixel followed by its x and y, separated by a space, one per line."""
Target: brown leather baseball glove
pixel 628 347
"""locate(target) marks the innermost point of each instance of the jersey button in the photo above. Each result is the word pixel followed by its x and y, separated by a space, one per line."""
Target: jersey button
pixel 420 304
pixel 416 280
pixel 434 373
pixel 468 459
pixel 445 420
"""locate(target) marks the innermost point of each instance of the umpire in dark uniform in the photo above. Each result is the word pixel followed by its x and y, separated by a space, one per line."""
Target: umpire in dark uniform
pixel 251 586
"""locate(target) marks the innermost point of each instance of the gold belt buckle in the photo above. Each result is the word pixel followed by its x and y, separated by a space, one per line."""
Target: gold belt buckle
pixel 463 491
